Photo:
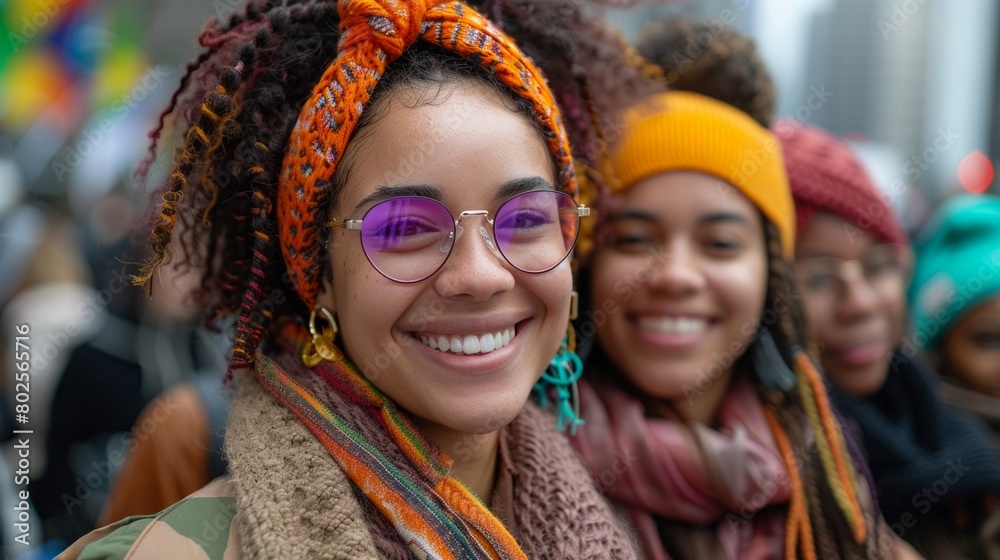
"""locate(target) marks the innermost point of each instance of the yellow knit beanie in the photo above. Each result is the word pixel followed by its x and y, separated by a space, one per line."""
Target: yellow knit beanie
pixel 677 130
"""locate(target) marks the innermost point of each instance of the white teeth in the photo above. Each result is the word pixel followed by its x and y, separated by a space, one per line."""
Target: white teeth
pixel 471 344
pixel 432 342
pixel 486 343
pixel 671 325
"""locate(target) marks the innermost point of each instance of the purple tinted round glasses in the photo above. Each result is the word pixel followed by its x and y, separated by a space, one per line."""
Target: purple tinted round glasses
pixel 408 238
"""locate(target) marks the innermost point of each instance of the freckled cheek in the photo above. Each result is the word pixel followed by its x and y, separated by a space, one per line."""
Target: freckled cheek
pixel 551 288
pixel 362 296
pixel 353 265
pixel 368 328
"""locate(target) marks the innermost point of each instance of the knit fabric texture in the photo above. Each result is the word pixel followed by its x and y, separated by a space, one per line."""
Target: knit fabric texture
pixel 958 265
pixel 291 500
pixel 676 131
pixel 375 33
pixel 554 514
pixel 406 477
pixel 826 176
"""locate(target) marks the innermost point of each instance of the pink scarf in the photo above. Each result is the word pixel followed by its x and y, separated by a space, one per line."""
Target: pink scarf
pixel 723 479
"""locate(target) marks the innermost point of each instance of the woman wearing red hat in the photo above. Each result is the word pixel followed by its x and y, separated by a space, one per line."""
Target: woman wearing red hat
pixel 932 464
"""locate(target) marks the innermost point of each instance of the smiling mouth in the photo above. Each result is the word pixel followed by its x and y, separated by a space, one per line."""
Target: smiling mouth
pixel 673 325
pixel 862 353
pixel 470 344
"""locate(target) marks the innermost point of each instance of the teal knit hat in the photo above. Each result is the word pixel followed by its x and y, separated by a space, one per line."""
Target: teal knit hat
pixel 958 265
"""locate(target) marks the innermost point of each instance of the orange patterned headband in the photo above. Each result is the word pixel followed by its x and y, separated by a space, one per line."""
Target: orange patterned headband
pixel 374 33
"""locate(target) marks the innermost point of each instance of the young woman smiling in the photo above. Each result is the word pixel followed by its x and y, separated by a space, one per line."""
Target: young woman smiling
pixel 707 423
pixel 387 194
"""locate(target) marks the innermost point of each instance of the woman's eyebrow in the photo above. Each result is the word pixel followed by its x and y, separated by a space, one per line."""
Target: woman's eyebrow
pixel 385 192
pixel 634 214
pixel 520 185
pixel 717 217
pixel 707 219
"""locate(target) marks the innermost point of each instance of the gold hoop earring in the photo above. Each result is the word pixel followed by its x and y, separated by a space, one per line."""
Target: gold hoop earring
pixel 321 347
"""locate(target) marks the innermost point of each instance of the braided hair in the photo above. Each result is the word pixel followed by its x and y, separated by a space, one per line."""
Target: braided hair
pixel 827 518
pixel 238 101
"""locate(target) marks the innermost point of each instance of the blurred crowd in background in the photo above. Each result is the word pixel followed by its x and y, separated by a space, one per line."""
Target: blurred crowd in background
pixel 912 84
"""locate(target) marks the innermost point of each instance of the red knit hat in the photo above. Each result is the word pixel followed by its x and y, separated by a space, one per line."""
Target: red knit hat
pixel 826 175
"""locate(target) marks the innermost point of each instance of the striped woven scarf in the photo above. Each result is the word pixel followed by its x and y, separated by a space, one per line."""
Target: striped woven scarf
pixel 434 513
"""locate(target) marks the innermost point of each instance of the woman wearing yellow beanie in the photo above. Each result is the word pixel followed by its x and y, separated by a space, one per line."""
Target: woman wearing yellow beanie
pixel 706 421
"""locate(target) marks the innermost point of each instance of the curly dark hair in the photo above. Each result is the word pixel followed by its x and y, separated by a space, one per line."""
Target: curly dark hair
pixel 235 107
pixel 712 59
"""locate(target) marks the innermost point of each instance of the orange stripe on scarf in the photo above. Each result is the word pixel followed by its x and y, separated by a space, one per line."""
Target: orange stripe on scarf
pixel 432 509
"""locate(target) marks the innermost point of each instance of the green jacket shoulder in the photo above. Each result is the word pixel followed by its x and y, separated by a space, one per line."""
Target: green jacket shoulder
pixel 197 527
